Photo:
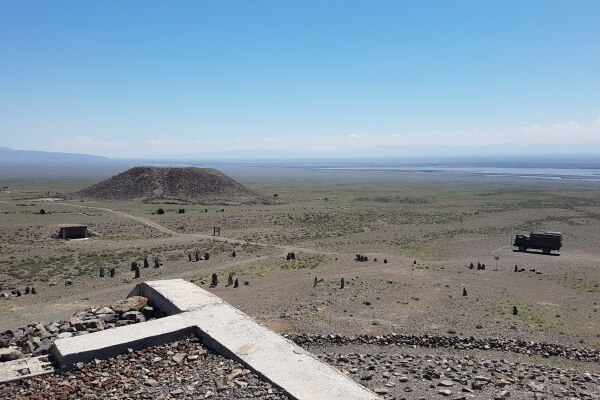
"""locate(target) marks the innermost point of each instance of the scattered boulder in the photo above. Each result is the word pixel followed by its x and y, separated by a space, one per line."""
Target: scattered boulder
pixel 133 316
pixel 134 303
pixel 10 353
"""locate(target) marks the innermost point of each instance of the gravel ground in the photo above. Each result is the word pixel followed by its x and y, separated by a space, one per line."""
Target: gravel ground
pixel 180 370
pixel 186 370
pixel 397 375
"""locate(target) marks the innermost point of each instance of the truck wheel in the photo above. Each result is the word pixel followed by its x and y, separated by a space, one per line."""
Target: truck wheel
pixel 522 248
pixel 546 251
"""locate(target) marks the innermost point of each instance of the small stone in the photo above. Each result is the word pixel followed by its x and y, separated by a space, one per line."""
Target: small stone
pixel 446 383
pixel 178 358
pixel 445 392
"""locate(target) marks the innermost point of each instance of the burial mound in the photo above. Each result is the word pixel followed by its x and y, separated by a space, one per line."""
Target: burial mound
pixel 153 184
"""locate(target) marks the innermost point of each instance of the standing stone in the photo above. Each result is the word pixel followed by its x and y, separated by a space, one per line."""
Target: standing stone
pixel 190 257
pixel 293 256
pixel 478 265
pixel 516 268
pixel 134 265
pixel 112 272
pixel 236 283
pixel 230 279
pixel 156 262
pixel 233 254
pixel 214 281
pixel 385 260
pixel 146 263
pixel 515 311
pixel 33 290
pixel 471 266
pixel 289 256
pixel 101 272
pixel 342 283
pixel 315 282
pixel 197 256
pixel 464 291
pixel 414 262
pixel 206 256
pixel 26 289
pixel 137 272
pixel 18 293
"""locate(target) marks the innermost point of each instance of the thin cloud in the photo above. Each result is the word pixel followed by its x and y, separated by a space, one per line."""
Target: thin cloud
pixel 155 142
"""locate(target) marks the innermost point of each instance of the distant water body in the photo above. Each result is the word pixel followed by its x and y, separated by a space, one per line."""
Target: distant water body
pixel 573 170
pixel 556 169
pixel 574 174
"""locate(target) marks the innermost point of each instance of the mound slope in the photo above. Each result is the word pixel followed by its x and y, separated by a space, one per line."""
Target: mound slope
pixel 153 184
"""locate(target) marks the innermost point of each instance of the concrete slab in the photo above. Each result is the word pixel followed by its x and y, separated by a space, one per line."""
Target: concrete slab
pixel 112 342
pixel 175 296
pixel 226 330
pixel 25 368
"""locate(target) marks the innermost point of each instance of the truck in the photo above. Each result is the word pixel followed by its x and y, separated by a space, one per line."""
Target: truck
pixel 545 241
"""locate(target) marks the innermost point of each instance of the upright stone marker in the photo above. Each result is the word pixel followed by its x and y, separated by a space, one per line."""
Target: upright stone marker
pixel 146 263
pixel 214 281
pixel 101 272
pixel 342 283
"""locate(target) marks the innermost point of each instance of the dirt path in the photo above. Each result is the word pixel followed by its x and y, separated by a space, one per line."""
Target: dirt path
pixel 195 235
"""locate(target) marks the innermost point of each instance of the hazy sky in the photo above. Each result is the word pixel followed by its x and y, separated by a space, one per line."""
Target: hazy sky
pixel 145 78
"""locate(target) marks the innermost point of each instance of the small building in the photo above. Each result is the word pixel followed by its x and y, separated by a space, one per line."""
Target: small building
pixel 73 232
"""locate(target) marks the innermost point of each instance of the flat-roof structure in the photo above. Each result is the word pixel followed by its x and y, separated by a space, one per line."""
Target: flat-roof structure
pixel 72 231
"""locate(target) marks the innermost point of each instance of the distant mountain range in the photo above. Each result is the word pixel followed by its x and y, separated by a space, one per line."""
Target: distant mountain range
pixel 8 155
pixel 41 164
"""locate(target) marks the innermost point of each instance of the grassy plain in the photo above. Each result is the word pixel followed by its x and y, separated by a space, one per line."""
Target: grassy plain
pixel 427 228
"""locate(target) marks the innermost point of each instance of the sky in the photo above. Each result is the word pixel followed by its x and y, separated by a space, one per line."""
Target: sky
pixel 155 78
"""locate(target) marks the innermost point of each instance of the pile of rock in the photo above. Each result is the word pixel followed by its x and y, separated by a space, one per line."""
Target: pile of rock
pixel 456 342
pixel 36 339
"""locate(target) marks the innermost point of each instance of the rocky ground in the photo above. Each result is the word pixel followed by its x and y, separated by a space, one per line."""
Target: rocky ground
pixel 186 370
pixel 35 339
pixel 180 370
pixel 411 372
